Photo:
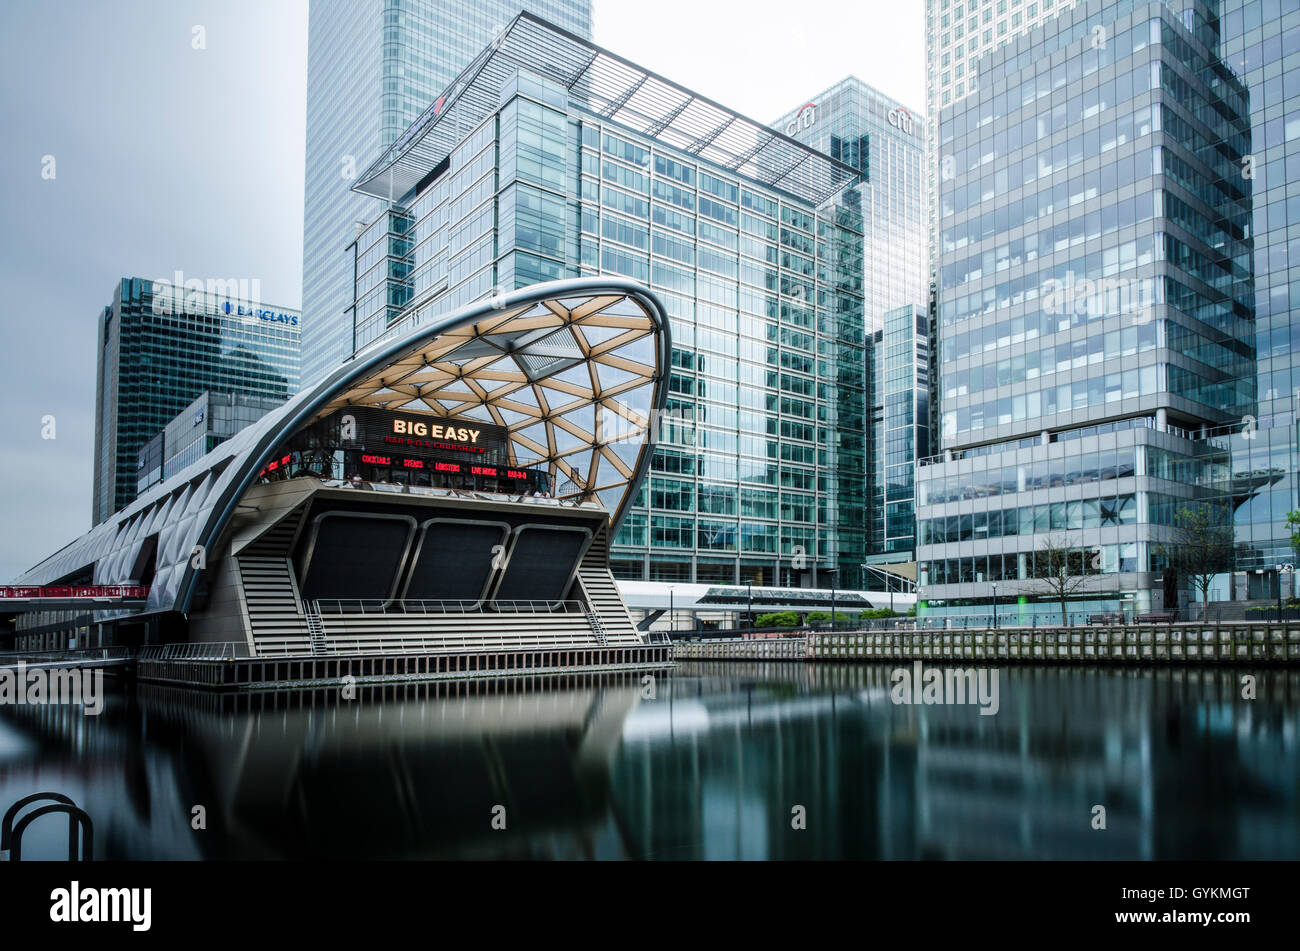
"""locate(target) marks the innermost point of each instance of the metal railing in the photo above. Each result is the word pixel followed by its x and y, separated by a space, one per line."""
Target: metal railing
pixel 336 606
pixel 484 495
pixel 78 654
pixel 214 650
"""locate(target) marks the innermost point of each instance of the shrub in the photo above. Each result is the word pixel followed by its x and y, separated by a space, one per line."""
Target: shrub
pixel 777 619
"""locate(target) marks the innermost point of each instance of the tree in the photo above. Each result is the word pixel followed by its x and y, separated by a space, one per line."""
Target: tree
pixel 1060 570
pixel 777 619
pixel 839 621
pixel 1203 545
pixel 1293 523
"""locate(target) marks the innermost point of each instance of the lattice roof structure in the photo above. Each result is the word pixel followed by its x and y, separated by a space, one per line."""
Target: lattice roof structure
pixel 574 370
pixel 611 87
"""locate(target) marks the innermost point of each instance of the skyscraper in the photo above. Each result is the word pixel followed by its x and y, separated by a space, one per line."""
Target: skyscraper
pixel 957 34
pixel 550 157
pixel 859 125
pixel 1260 41
pixel 160 346
pixel 1096 305
pixel 372 67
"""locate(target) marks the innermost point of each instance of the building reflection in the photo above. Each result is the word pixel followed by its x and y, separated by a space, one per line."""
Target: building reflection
pixel 1183 766
pixel 709 764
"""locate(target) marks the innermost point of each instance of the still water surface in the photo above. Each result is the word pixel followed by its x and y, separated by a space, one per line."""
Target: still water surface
pixel 712 767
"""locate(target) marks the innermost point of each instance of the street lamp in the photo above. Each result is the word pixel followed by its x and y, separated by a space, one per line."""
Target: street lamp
pixel 671 625
pixel 995 605
pixel 1280 569
pixel 749 615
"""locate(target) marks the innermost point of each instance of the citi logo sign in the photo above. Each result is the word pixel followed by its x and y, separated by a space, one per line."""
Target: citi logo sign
pixel 901 119
pixel 803 119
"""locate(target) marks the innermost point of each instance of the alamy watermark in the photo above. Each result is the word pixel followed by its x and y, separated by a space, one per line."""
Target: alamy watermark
pixel 21 685
pixel 946 685
pixel 196 296
pixel 1104 297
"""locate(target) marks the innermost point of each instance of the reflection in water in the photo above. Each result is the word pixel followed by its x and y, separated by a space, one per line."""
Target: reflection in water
pixel 710 768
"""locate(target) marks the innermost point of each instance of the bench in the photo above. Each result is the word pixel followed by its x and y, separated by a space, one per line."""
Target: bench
pixel 1110 617
pixel 1159 617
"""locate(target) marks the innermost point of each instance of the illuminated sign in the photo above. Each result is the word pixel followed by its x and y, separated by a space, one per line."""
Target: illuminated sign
pixel 483 470
pixel 803 119
pixel 22 592
pixel 413 463
pixel 901 119
pixel 426 444
pixel 446 467
pixel 377 460
pixel 516 474
pixel 411 427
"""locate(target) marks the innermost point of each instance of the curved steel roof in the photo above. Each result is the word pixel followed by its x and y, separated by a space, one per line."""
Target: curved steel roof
pixel 573 370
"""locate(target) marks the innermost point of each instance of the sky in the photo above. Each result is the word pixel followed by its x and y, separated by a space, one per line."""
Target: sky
pixel 143 137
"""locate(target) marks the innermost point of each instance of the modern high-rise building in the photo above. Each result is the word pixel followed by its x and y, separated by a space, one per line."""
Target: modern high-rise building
pixel 372 67
pixel 550 157
pixel 1260 42
pixel 1096 307
pixel 957 34
pixel 160 346
pixel 885 141
pixel 195 431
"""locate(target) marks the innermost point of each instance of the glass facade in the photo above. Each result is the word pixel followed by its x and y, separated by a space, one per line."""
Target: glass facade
pixel 198 429
pixel 858 125
pixel 373 66
pixel 1095 298
pixel 157 355
pixel 957 34
pixel 762 448
pixel 1260 42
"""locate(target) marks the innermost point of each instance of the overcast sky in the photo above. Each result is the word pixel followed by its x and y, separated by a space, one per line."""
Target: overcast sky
pixel 176 148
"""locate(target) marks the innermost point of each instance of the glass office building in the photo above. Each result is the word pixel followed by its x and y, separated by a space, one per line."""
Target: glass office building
pixel 957 34
pixel 554 158
pixel 160 347
pixel 1096 306
pixel 372 67
pixel 885 141
pixel 195 431
pixel 1260 42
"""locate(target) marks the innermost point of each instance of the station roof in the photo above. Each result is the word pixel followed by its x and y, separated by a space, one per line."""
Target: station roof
pixel 615 89
pixel 574 370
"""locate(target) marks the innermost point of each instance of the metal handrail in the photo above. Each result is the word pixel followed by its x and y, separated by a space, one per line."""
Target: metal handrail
pixel 206 650
pixel 79 653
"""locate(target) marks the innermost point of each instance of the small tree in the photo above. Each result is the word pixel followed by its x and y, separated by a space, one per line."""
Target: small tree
pixel 1293 523
pixel 1203 545
pixel 838 621
pixel 777 619
pixel 1060 571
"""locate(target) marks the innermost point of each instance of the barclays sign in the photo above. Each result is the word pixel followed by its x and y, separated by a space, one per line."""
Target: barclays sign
pixel 258 313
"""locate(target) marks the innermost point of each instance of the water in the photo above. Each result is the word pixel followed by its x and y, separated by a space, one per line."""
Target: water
pixel 715 766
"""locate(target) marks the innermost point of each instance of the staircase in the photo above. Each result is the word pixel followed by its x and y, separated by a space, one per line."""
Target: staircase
pixel 270 596
pixel 270 589
pixel 594 620
pixel 605 608
pixel 315 631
